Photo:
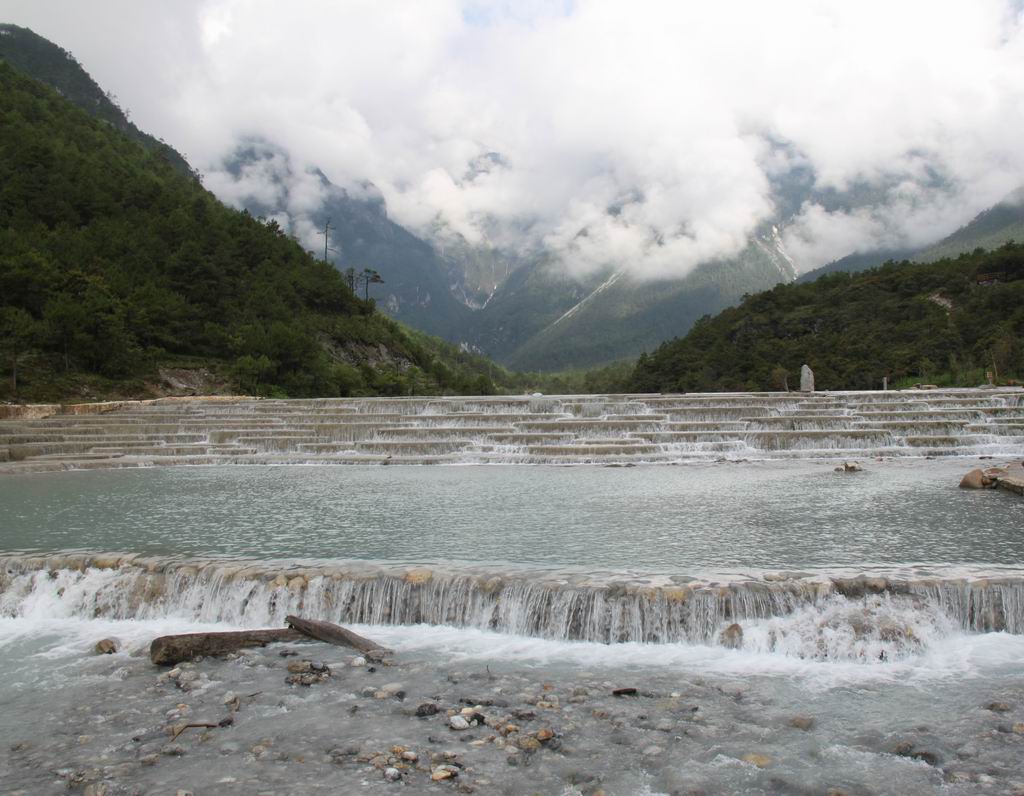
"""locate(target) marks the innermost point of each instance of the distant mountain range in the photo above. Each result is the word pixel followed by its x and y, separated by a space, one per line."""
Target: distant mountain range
pixel 524 310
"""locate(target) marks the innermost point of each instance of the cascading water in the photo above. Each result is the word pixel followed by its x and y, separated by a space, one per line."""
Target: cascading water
pixel 582 429
pixel 819 617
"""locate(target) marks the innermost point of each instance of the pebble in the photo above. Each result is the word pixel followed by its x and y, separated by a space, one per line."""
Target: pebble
pixel 392 774
pixel 802 722
pixel 444 772
pixel 427 709
pixel 651 751
pixel 761 761
pixel 458 723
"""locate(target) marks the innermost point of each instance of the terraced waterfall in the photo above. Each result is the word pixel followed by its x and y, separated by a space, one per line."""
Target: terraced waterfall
pixel 851 616
pixel 522 430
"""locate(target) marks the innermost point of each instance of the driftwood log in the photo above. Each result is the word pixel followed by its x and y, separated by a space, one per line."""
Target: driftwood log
pixel 335 634
pixel 169 650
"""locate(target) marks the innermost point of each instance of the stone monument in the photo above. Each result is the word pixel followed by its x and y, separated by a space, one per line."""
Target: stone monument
pixel 806 379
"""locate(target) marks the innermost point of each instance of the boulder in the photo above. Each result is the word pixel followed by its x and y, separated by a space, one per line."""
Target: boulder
pixel 975 479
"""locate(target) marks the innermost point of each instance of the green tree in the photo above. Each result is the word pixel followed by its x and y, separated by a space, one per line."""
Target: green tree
pixel 64 317
pixel 18 331
pixel 780 378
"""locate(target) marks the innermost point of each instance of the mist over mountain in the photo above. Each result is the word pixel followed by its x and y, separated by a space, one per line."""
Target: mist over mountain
pixel 647 139
pixel 585 202
pixel 263 179
pixel 998 225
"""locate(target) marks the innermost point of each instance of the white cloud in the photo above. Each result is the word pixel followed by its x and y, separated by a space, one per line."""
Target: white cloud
pixel 631 134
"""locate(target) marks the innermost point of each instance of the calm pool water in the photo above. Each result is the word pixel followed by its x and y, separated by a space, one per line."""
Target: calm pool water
pixel 769 515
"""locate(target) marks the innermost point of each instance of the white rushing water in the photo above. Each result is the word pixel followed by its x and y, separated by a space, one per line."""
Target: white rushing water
pixel 866 619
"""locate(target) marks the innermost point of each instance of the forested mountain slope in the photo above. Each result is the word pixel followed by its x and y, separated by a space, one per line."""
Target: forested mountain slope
pixel 944 322
pixel 113 264
pixel 40 58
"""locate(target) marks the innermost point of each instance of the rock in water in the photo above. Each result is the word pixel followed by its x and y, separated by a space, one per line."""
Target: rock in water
pixel 107 646
pixel 975 479
pixel 806 379
pixel 731 637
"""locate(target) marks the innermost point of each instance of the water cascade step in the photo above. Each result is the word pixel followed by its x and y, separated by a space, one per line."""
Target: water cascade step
pixel 519 429
pixel 894 613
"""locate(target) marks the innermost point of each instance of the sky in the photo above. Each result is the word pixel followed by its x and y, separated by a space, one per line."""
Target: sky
pixel 648 136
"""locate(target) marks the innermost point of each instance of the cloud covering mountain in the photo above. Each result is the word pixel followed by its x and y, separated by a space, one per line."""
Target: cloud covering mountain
pixel 646 136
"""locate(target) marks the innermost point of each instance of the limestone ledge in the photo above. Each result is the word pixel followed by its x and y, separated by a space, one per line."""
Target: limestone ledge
pixel 298 576
pixel 41 411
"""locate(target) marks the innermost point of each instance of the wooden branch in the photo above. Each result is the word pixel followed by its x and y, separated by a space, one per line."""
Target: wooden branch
pixel 335 634
pixel 168 650
pixel 202 724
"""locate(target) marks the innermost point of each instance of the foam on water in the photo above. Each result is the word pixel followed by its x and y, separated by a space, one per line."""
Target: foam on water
pixel 952 654
pixel 827 628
